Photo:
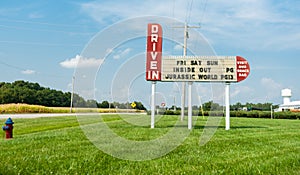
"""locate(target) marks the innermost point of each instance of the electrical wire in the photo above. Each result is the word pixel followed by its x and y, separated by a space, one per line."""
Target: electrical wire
pixel 203 13
pixel 11 66
pixel 190 12
pixel 45 23
pixel 186 12
pixel 24 69
pixel 172 30
pixel 40 43
pixel 41 27
pixel 44 30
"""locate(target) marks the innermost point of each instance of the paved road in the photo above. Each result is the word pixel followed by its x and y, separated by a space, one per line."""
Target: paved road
pixel 4 116
pixel 38 115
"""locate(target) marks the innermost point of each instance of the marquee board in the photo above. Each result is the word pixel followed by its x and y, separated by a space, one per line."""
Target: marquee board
pixel 204 68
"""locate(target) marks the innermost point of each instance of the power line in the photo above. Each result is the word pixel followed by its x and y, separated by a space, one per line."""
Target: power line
pixel 44 30
pixel 11 66
pixel 203 14
pixel 40 43
pixel 45 23
pixel 172 30
pixel 37 73
pixel 190 12
pixel 186 12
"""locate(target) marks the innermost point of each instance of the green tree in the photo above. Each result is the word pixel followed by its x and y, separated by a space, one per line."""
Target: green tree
pixel 91 103
pixel 211 106
pixel 32 93
pixel 139 106
pixel 104 104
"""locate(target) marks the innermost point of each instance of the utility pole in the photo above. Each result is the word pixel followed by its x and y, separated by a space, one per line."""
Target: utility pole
pixel 174 103
pixel 201 106
pixel 186 35
pixel 271 111
pixel 72 94
pixel 183 95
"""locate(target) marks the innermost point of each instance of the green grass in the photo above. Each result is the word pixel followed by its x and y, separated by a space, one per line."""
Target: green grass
pixel 59 146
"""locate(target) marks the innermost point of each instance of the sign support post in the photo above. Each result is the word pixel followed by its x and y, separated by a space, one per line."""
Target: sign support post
pixel 182 100
pixel 153 62
pixel 190 105
pixel 227 69
pixel 227 104
pixel 153 103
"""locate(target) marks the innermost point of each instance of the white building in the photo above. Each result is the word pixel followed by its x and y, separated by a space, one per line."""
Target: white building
pixel 288 105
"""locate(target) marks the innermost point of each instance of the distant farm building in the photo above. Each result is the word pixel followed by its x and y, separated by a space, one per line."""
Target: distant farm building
pixel 288 105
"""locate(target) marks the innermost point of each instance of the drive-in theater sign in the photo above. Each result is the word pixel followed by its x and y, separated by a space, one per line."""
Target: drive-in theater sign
pixel 227 69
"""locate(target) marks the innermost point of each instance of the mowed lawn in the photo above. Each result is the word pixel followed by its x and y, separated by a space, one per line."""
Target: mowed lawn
pixel 59 146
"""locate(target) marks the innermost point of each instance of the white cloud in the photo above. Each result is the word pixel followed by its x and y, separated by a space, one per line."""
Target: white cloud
pixel 239 91
pixel 270 83
pixel 248 24
pixel 243 26
pixel 81 62
pixel 28 72
pixel 227 12
pixel 271 87
pixel 35 15
pixel 268 67
pixel 178 47
pixel 258 24
pixel 251 24
pixel 122 53
pixel 112 11
pixel 235 92
pixel 109 51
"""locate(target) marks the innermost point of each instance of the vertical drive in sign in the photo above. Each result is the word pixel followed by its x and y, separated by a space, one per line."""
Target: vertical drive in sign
pixel 154 52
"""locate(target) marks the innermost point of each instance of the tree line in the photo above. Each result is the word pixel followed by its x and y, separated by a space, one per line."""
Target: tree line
pixel 32 93
pixel 211 106
pixel 253 106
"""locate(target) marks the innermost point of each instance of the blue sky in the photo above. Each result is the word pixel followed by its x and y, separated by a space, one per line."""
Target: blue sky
pixel 41 40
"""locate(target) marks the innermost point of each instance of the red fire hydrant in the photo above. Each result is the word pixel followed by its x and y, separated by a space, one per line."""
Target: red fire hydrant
pixel 8 128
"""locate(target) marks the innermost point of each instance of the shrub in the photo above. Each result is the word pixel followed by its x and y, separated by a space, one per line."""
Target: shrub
pixel 264 114
pixel 287 115
pixel 246 114
pixel 238 113
pixel 171 112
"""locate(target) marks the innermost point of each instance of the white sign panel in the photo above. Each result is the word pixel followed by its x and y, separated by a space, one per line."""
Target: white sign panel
pixel 201 68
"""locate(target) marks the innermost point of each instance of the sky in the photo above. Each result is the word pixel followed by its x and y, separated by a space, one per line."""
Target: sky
pixel 43 41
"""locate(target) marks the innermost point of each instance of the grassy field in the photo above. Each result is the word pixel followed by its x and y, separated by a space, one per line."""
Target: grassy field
pixel 59 146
